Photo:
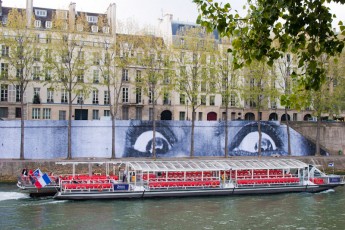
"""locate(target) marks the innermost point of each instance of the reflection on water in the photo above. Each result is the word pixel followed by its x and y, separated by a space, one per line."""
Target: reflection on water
pixel 286 211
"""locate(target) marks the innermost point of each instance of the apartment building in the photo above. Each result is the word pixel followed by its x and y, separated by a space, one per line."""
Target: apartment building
pixel 45 101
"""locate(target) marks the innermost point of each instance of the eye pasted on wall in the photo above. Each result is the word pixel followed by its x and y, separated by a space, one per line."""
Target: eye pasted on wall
pixel 173 139
pixel 134 139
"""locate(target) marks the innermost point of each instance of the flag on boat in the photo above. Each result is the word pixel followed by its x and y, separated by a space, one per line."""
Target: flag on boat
pixel 42 181
pixel 331 164
pixel 37 173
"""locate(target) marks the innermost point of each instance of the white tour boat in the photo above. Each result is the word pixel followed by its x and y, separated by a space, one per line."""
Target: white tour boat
pixel 182 178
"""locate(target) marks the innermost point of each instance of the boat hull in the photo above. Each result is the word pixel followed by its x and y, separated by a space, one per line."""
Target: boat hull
pixel 49 190
pixel 160 193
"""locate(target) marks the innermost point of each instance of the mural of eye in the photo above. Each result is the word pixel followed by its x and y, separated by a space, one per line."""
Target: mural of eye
pixel 144 143
pixel 139 139
pixel 250 143
pixel 246 141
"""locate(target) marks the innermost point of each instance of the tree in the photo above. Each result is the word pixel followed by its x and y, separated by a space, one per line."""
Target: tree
pixel 305 27
pixel 196 78
pixel 66 60
pixel 227 84
pixel 155 81
pixel 19 45
pixel 113 65
pixel 259 87
pixel 284 68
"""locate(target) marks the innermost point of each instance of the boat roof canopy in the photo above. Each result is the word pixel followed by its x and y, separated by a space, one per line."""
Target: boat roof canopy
pixel 215 165
pixel 201 165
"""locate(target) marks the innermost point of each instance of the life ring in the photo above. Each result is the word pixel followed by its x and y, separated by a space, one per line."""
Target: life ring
pixel 214 184
pixel 100 188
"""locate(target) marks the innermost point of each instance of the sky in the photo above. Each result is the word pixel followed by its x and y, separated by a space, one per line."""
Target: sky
pixel 144 12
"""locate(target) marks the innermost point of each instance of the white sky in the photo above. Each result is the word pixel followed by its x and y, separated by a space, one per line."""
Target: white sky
pixel 144 12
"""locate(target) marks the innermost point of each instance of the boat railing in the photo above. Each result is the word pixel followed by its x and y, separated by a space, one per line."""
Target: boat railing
pixel 91 183
pixel 268 181
pixel 183 184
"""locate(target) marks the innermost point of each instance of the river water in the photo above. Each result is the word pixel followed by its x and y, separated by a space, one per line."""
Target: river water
pixel 324 210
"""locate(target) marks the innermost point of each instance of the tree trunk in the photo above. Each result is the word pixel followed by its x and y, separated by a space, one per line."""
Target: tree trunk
pixel 69 136
pixel 154 127
pixel 317 153
pixel 260 135
pixel 226 149
pixel 192 134
pixel 22 126
pixel 113 156
pixel 288 131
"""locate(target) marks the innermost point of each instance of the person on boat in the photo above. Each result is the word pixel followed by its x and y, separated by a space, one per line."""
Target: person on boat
pixel 30 172
pixel 25 172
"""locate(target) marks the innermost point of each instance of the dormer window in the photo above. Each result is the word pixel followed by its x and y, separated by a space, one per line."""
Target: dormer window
pixel 49 24
pixel 92 19
pixel 105 29
pixel 80 27
pixel 37 23
pixel 41 13
pixel 94 29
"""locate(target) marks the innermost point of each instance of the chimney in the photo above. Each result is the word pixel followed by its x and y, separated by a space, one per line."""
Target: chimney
pixel 111 14
pixel 29 11
pixel 71 15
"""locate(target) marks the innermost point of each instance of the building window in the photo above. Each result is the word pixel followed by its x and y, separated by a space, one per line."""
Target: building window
pixel 64 96
pixel 4 92
pixel 294 116
pixel 49 24
pixel 125 113
pixel 37 54
pixel 106 29
pixel 166 99
pixel 138 76
pixel 4 70
pixel 3 112
pixel 50 96
pixel 5 50
pixel 182 99
pixel 95 97
pixel 80 98
pixel 203 100
pixel 40 13
pixel 19 73
pixel 80 27
pixel 96 76
pixel 95 114
pixel 36 113
pixel 106 97
pixel 138 113
pixel 232 99
pixel 125 75
pixel 200 116
pixel 18 112
pixel 37 99
pixel 138 95
pixel 94 29
pixel 46 113
pixel 18 93
pixel 62 115
pixel 80 76
pixel 36 73
pixel 37 23
pixel 81 55
pixel 48 74
pixel 96 58
pixel 92 19
pixel 212 100
pixel 182 116
pixel 107 113
pixel 150 114
pixel 125 95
